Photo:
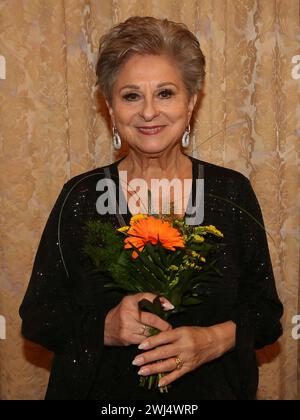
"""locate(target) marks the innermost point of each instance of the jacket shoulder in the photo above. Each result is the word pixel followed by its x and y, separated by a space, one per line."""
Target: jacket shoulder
pixel 217 172
pixel 85 178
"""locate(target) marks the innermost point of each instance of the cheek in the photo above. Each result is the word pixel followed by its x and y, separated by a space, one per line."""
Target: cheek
pixel 177 111
pixel 124 114
pixel 179 117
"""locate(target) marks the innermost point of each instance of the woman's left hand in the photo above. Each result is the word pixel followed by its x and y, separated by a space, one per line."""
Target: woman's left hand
pixel 183 349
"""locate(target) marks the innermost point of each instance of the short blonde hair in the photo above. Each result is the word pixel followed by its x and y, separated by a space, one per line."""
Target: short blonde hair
pixel 148 35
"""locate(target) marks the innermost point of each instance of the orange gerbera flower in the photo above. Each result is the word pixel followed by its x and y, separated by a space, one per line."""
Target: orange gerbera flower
pixel 153 230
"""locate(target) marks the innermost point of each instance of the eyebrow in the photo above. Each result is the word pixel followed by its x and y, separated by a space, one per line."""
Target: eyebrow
pixel 137 87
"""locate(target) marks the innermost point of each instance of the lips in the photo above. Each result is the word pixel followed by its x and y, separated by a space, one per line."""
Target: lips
pixel 151 130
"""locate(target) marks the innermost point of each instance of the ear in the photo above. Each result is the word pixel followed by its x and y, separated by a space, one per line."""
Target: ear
pixel 192 103
pixel 110 110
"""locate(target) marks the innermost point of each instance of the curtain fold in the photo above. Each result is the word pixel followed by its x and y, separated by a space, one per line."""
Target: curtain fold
pixel 53 126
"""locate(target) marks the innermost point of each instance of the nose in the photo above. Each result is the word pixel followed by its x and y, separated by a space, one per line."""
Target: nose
pixel 149 109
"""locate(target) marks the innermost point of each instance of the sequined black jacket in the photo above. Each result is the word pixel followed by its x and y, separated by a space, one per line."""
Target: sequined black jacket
pixel 65 305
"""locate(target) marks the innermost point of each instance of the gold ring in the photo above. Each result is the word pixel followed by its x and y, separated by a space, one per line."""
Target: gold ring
pixel 178 362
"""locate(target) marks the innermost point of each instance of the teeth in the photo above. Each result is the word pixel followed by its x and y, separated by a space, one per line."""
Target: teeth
pixel 151 130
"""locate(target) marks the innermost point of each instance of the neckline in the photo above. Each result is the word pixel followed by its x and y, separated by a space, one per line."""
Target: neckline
pixel 128 215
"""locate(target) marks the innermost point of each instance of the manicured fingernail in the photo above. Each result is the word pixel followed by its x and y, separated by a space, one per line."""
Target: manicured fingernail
pixel 143 346
pixel 144 372
pixel 138 361
pixel 161 383
pixel 168 305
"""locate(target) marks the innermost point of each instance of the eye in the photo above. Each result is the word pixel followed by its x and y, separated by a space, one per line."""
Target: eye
pixel 166 93
pixel 131 96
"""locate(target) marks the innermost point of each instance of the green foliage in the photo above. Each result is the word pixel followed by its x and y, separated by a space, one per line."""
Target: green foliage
pixel 102 244
pixel 153 307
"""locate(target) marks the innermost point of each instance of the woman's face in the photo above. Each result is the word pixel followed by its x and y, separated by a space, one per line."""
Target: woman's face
pixel 150 105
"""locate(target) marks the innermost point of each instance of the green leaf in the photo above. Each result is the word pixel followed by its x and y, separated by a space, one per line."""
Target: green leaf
pixel 144 279
pixel 160 277
pixel 189 301
pixel 177 254
pixel 164 256
pixel 152 283
pixel 155 258
pixel 152 307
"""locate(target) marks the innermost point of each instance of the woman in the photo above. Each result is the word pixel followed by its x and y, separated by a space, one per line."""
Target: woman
pixel 150 72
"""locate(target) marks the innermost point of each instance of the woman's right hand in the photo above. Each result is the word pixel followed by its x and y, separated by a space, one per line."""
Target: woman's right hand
pixel 125 324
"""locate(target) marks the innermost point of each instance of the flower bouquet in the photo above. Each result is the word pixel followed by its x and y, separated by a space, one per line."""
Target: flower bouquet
pixel 162 255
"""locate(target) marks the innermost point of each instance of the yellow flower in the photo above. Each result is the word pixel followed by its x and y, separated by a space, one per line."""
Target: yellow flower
pixel 123 229
pixel 212 229
pixel 195 254
pixel 203 230
pixel 137 217
pixel 202 259
pixel 174 282
pixel 173 267
pixel 198 238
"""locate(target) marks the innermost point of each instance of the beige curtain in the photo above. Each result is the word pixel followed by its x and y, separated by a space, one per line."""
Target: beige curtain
pixel 53 127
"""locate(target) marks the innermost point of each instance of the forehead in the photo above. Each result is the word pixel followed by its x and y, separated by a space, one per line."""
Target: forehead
pixel 148 68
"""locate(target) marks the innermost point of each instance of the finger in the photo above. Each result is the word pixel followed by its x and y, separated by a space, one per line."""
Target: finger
pixel 129 325
pixel 137 338
pixel 154 355
pixel 146 295
pixel 131 332
pixel 166 304
pixel 164 337
pixel 171 377
pixel 131 302
pixel 159 367
pixel 136 334
pixel 144 331
pixel 154 321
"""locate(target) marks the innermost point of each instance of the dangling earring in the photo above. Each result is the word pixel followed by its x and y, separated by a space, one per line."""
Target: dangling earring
pixel 185 141
pixel 116 139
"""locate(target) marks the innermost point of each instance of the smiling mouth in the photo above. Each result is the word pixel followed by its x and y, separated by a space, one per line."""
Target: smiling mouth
pixel 149 131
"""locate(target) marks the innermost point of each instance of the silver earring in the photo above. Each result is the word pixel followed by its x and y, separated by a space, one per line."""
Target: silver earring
pixel 116 139
pixel 185 141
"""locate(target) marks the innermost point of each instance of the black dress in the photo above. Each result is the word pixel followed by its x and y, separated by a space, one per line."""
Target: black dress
pixel 65 305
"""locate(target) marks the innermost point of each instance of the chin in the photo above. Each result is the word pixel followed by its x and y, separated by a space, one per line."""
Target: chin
pixel 151 151
pixel 154 149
